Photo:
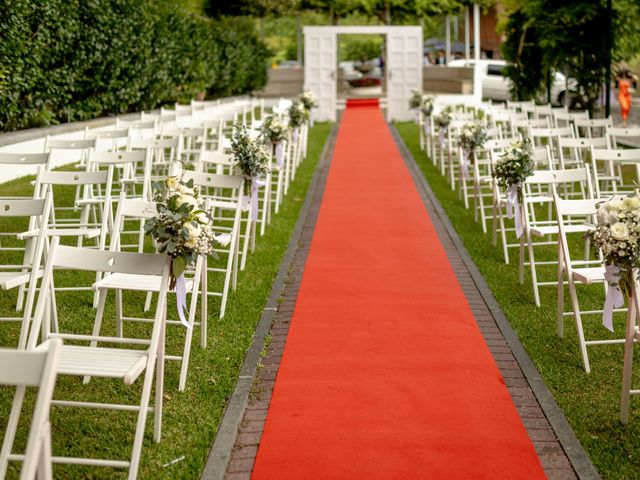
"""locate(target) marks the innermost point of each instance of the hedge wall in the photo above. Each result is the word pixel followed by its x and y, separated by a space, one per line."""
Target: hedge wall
pixel 66 60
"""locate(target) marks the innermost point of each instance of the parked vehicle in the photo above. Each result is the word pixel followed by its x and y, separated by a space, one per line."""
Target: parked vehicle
pixel 496 86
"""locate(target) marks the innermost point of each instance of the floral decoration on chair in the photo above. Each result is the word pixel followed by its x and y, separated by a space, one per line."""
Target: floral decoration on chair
pixel 472 136
pixel 251 161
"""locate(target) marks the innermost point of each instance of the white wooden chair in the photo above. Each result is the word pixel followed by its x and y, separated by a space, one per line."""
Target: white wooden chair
pixel 632 337
pixel 119 282
pixel 537 194
pixel 227 218
pixel 611 162
pixel 25 275
pixel 594 127
pixel 586 272
pixel 571 151
pixel 30 369
pixel 125 359
pixel 31 162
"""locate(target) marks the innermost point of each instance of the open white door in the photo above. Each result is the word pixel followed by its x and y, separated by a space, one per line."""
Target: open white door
pixel 404 70
pixel 320 65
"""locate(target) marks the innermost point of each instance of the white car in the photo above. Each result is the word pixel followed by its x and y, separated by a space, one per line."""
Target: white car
pixel 496 86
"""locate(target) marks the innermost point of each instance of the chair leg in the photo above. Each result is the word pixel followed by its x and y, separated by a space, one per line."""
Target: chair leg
pixel 204 305
pixel 532 265
pixel 521 266
pixel 186 353
pixel 12 426
pixel 578 317
pixel 560 277
pixel 118 295
pixel 627 368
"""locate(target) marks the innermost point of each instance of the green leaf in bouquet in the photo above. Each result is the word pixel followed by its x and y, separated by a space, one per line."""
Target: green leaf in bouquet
pixel 178 264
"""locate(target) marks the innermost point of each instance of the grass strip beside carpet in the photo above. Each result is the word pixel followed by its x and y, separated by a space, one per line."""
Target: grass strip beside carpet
pixel 590 402
pixel 191 418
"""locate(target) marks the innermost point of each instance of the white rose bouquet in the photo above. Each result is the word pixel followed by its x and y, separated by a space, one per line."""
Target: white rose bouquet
pixel 182 229
pixel 443 119
pixel 415 101
pixel 616 235
pixel 251 161
pixel 308 100
pixel 273 129
pixel 510 172
pixel 472 136
pixel 427 105
pixel 298 114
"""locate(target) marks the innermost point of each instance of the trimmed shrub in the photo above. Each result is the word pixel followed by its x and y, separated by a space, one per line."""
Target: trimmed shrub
pixel 67 60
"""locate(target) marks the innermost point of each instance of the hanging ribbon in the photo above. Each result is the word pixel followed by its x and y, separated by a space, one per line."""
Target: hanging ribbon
pixel 513 207
pixel 181 299
pixel 465 163
pixel 295 135
pixel 418 117
pixel 614 298
pixel 251 201
pixel 427 127
pixel 223 239
pixel 279 154
pixel 442 132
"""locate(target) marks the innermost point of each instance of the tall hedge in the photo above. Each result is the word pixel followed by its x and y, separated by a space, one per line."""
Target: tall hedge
pixel 66 60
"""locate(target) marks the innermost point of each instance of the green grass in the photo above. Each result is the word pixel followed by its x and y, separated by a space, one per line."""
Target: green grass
pixel 589 401
pixel 191 418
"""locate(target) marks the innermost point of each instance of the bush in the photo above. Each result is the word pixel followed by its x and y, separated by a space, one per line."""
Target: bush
pixel 66 60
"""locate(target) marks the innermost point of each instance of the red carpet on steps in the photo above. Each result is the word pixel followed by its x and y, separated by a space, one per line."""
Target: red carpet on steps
pixel 385 374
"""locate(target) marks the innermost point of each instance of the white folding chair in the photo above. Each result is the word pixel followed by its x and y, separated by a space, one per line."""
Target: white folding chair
pixel 537 194
pixel 594 127
pixel 631 338
pixel 31 163
pixel 24 275
pixel 126 359
pixel 30 369
pixel 572 151
pixel 119 282
pixel 586 272
pixel 611 162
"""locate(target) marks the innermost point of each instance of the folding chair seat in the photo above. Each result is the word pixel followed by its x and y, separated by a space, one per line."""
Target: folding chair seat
pixel 30 369
pixel 126 359
pixel 586 272
pixel 23 275
pixel 545 182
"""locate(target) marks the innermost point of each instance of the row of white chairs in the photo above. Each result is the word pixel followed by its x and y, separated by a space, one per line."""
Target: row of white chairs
pixel 578 162
pixel 112 192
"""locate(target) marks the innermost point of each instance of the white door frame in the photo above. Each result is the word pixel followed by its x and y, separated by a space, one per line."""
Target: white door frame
pixel 320 68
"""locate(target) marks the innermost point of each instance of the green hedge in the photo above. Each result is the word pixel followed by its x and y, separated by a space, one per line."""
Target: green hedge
pixel 67 60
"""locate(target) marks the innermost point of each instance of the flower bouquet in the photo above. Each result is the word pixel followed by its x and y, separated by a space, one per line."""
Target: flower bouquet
pixel 472 136
pixel 183 230
pixel 510 172
pixel 274 131
pixel 415 101
pixel 308 100
pixel 442 121
pixel 251 161
pixel 427 106
pixel 298 115
pixel 616 235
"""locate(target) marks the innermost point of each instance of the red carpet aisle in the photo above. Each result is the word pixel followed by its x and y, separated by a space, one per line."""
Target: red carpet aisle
pixel 385 373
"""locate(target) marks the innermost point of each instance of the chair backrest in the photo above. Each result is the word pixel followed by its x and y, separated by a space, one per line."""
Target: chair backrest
pixel 551 132
pixel 60 144
pixel 56 177
pixel 614 134
pixel 567 176
pixel 32 369
pixel 25 159
pixel 630 156
pixel 21 207
pixel 210 180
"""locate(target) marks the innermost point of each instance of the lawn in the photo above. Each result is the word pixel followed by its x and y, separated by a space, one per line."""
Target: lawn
pixel 589 401
pixel 191 418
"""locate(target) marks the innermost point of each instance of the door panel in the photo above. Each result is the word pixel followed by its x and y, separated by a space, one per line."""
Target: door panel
pixel 320 72
pixel 404 70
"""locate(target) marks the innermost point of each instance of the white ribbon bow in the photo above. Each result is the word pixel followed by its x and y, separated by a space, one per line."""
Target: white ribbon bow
pixel 279 154
pixel 181 299
pixel 464 163
pixel 614 298
pixel 251 201
pixel 514 206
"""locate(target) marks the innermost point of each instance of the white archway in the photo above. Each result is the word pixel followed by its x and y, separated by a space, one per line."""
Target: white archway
pixel 403 66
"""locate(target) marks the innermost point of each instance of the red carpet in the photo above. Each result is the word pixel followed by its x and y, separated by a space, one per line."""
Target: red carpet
pixel 362 102
pixel 385 374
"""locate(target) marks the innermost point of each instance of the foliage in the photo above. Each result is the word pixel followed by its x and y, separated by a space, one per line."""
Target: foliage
pixel 570 36
pixel 182 229
pixel 251 159
pixel 273 130
pixel 360 47
pixel 66 60
pixel 297 114
pixel 515 164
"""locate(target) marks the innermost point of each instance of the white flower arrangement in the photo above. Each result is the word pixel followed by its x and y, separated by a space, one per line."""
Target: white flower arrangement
pixel 273 129
pixel 308 100
pixel 427 105
pixel 515 165
pixel 182 228
pixel 415 101
pixel 250 156
pixel 443 119
pixel 616 235
pixel 298 114
pixel 472 136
